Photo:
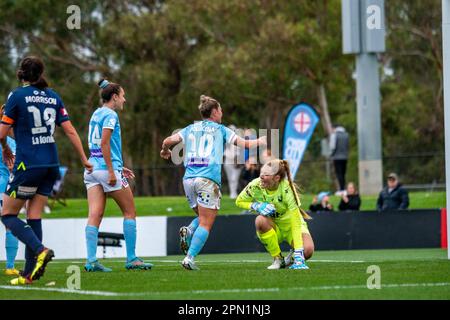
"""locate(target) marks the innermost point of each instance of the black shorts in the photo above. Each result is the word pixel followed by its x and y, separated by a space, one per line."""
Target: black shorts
pixel 25 184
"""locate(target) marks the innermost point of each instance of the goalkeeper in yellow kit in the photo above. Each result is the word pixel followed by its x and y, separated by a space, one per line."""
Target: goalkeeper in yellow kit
pixel 274 197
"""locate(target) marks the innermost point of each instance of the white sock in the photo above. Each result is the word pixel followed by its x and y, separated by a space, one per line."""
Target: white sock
pixel 299 255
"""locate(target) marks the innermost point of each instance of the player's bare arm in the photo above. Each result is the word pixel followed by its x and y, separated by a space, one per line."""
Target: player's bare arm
pixel 8 156
pixel 167 143
pixel 106 151
pixel 250 144
pixel 74 138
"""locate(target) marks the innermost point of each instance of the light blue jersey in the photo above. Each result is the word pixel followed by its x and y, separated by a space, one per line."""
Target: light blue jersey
pixel 204 144
pixel 105 118
pixel 4 171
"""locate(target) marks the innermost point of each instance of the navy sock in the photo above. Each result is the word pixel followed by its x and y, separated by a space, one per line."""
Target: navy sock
pixel 23 232
pixel 30 257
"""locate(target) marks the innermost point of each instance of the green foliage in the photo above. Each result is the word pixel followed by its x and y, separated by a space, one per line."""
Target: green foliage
pixel 258 58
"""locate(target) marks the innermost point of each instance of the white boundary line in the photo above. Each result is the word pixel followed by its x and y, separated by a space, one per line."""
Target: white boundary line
pixel 204 262
pixel 442 284
pixel 63 290
pixel 195 292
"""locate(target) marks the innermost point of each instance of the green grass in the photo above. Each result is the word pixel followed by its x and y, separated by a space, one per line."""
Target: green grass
pixel 151 206
pixel 405 274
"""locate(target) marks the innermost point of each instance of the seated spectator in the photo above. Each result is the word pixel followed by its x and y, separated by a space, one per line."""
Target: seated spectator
pixel 393 196
pixel 321 203
pixel 350 199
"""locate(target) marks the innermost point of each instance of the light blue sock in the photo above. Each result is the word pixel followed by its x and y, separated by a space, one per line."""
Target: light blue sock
pixel 91 243
pixel 129 232
pixel 198 241
pixel 11 245
pixel 194 225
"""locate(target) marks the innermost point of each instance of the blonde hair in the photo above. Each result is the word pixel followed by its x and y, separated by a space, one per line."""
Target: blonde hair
pixel 207 104
pixel 281 168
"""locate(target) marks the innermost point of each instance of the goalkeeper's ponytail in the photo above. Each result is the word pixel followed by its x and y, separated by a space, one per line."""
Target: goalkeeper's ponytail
pixel 281 168
pixel 285 167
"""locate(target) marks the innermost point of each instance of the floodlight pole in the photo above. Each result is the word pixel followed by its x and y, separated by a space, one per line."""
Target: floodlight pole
pixel 446 59
pixel 370 165
pixel 363 34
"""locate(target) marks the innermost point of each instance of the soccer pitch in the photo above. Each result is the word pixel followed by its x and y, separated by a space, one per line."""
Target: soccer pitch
pixel 404 274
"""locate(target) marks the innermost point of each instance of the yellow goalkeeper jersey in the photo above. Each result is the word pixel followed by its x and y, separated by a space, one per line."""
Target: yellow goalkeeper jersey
pixel 282 198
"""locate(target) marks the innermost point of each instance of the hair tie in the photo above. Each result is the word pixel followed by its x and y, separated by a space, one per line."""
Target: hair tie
pixel 104 84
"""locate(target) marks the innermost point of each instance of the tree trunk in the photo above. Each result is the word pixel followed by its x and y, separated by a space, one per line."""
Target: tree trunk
pixel 325 114
pixel 325 117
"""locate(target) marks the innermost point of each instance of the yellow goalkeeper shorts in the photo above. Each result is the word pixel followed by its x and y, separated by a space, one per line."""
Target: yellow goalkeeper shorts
pixel 284 228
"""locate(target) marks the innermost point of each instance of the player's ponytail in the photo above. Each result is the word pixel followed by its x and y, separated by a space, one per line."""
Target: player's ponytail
pixel 108 89
pixel 31 70
pixel 204 99
pixel 41 83
pixel 285 165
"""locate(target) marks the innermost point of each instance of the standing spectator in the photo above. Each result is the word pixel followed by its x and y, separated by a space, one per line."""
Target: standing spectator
pixel 350 199
pixel 321 203
pixel 393 196
pixel 250 172
pixel 339 146
pixel 232 167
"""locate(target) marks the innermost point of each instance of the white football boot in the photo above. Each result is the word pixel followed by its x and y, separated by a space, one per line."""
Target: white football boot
pixel 278 263
pixel 189 264
pixel 289 259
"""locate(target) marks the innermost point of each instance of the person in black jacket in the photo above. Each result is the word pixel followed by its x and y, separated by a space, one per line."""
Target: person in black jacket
pixel 350 199
pixel 393 196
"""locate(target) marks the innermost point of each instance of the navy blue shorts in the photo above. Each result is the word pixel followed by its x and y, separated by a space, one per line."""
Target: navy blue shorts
pixel 25 184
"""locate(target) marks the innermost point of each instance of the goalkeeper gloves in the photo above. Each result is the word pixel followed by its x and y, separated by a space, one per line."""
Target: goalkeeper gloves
pixel 264 208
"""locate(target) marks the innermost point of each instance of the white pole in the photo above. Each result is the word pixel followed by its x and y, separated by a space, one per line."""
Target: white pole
pixel 446 56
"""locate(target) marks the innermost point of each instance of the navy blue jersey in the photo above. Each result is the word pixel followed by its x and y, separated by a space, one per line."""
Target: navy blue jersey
pixel 33 114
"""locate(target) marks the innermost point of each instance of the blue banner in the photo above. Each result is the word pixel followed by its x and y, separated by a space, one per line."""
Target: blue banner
pixel 298 129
